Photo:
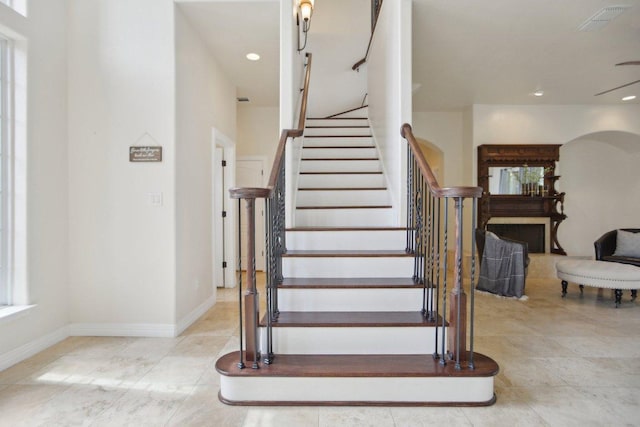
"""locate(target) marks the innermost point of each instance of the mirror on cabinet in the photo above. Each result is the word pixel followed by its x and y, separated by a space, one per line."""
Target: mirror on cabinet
pixel 518 180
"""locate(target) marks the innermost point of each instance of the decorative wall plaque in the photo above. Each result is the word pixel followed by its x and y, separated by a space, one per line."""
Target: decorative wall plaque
pixel 145 154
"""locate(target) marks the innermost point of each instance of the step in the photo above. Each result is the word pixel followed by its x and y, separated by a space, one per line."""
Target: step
pixel 350 294
pixel 335 180
pixel 390 380
pixel 345 121
pixel 347 263
pixel 342 197
pixel 326 238
pixel 340 332
pixel 337 151
pixel 341 165
pixel 351 141
pixel 345 216
pixel 337 129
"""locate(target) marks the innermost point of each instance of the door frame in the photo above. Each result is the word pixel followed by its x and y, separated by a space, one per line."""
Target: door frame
pixel 228 146
pixel 265 174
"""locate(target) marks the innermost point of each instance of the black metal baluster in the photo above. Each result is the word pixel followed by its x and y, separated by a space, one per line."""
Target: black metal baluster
pixel 444 279
pixel 474 211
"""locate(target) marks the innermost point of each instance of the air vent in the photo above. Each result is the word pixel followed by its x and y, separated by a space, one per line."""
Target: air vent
pixel 602 18
pixel 243 99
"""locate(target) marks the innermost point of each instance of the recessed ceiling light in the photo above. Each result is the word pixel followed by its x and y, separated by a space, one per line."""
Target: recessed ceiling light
pixel 629 98
pixel 538 93
pixel 253 56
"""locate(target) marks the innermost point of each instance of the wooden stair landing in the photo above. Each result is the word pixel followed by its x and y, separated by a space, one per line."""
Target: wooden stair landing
pixel 347 283
pixel 355 370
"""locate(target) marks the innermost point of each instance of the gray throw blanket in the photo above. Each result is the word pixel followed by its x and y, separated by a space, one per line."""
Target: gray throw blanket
pixel 501 267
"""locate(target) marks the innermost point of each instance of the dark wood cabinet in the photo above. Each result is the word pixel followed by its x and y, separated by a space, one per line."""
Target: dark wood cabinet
pixel 525 187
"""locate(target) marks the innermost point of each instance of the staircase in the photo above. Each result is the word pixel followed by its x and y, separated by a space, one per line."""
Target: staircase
pixel 351 326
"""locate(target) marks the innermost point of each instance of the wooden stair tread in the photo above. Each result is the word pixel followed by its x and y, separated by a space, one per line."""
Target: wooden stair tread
pixel 335 126
pixel 349 254
pixel 336 118
pixel 348 283
pixel 337 136
pixel 347 207
pixel 343 189
pixel 342 173
pixel 341 159
pixel 357 147
pixel 353 319
pixel 346 228
pixel 346 365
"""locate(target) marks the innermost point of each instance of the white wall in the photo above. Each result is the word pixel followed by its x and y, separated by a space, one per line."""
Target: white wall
pixel 258 133
pixel 444 130
pixel 121 93
pixel 205 98
pixel 602 180
pixel 560 124
pixel 338 38
pixel 46 179
pixel 389 85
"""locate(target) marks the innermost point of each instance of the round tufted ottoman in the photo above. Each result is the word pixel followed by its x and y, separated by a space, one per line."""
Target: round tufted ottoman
pixel 599 274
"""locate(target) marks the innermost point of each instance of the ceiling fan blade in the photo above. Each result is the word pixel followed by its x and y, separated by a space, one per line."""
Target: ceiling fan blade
pixel 629 63
pixel 616 88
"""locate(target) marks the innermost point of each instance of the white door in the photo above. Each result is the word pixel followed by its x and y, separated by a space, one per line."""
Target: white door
pixel 250 173
pixel 218 222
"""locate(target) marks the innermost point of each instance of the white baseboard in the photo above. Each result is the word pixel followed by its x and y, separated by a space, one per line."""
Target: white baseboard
pixel 195 314
pixel 152 330
pixel 29 349
pixel 155 330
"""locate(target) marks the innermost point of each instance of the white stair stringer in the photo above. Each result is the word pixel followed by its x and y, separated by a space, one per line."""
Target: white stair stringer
pixel 326 141
pixel 345 217
pixel 352 340
pixel 349 239
pixel 338 180
pixel 350 299
pixel 345 266
pixel 343 197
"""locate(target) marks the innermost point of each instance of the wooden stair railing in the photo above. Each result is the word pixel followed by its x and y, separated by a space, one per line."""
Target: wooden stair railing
pixel 376 13
pixel 274 194
pixel 428 239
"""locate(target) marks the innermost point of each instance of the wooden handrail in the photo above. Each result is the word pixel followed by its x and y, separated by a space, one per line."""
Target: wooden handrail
pixel 361 62
pixel 434 187
pixel 244 193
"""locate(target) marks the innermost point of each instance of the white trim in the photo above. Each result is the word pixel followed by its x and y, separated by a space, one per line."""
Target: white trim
pixel 13 312
pixel 195 314
pixel 29 349
pixel 154 330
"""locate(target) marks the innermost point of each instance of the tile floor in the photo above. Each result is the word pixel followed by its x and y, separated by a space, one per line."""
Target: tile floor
pixel 564 362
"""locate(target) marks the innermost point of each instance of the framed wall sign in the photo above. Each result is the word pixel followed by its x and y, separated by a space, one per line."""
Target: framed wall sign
pixel 145 154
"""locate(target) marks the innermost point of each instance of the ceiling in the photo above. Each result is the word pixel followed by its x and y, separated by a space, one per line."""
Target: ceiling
pixel 464 51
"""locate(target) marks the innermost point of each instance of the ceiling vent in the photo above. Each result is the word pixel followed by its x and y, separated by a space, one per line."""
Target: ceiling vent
pixel 243 99
pixel 602 17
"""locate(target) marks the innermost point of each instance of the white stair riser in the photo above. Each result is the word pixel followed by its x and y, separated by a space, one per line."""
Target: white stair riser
pixel 352 340
pixel 349 299
pixel 341 181
pixel 346 142
pixel 342 198
pixel 347 267
pixel 357 389
pixel 347 240
pixel 338 130
pixel 339 153
pixel 382 217
pixel 340 166
pixel 356 121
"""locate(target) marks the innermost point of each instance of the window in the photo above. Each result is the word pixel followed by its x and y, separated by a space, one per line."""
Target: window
pixel 5 170
pixel 19 6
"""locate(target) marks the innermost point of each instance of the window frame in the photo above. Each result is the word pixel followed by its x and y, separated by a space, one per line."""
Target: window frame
pixel 6 171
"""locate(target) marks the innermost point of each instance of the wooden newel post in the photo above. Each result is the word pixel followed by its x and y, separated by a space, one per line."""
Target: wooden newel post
pixel 251 297
pixel 458 301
